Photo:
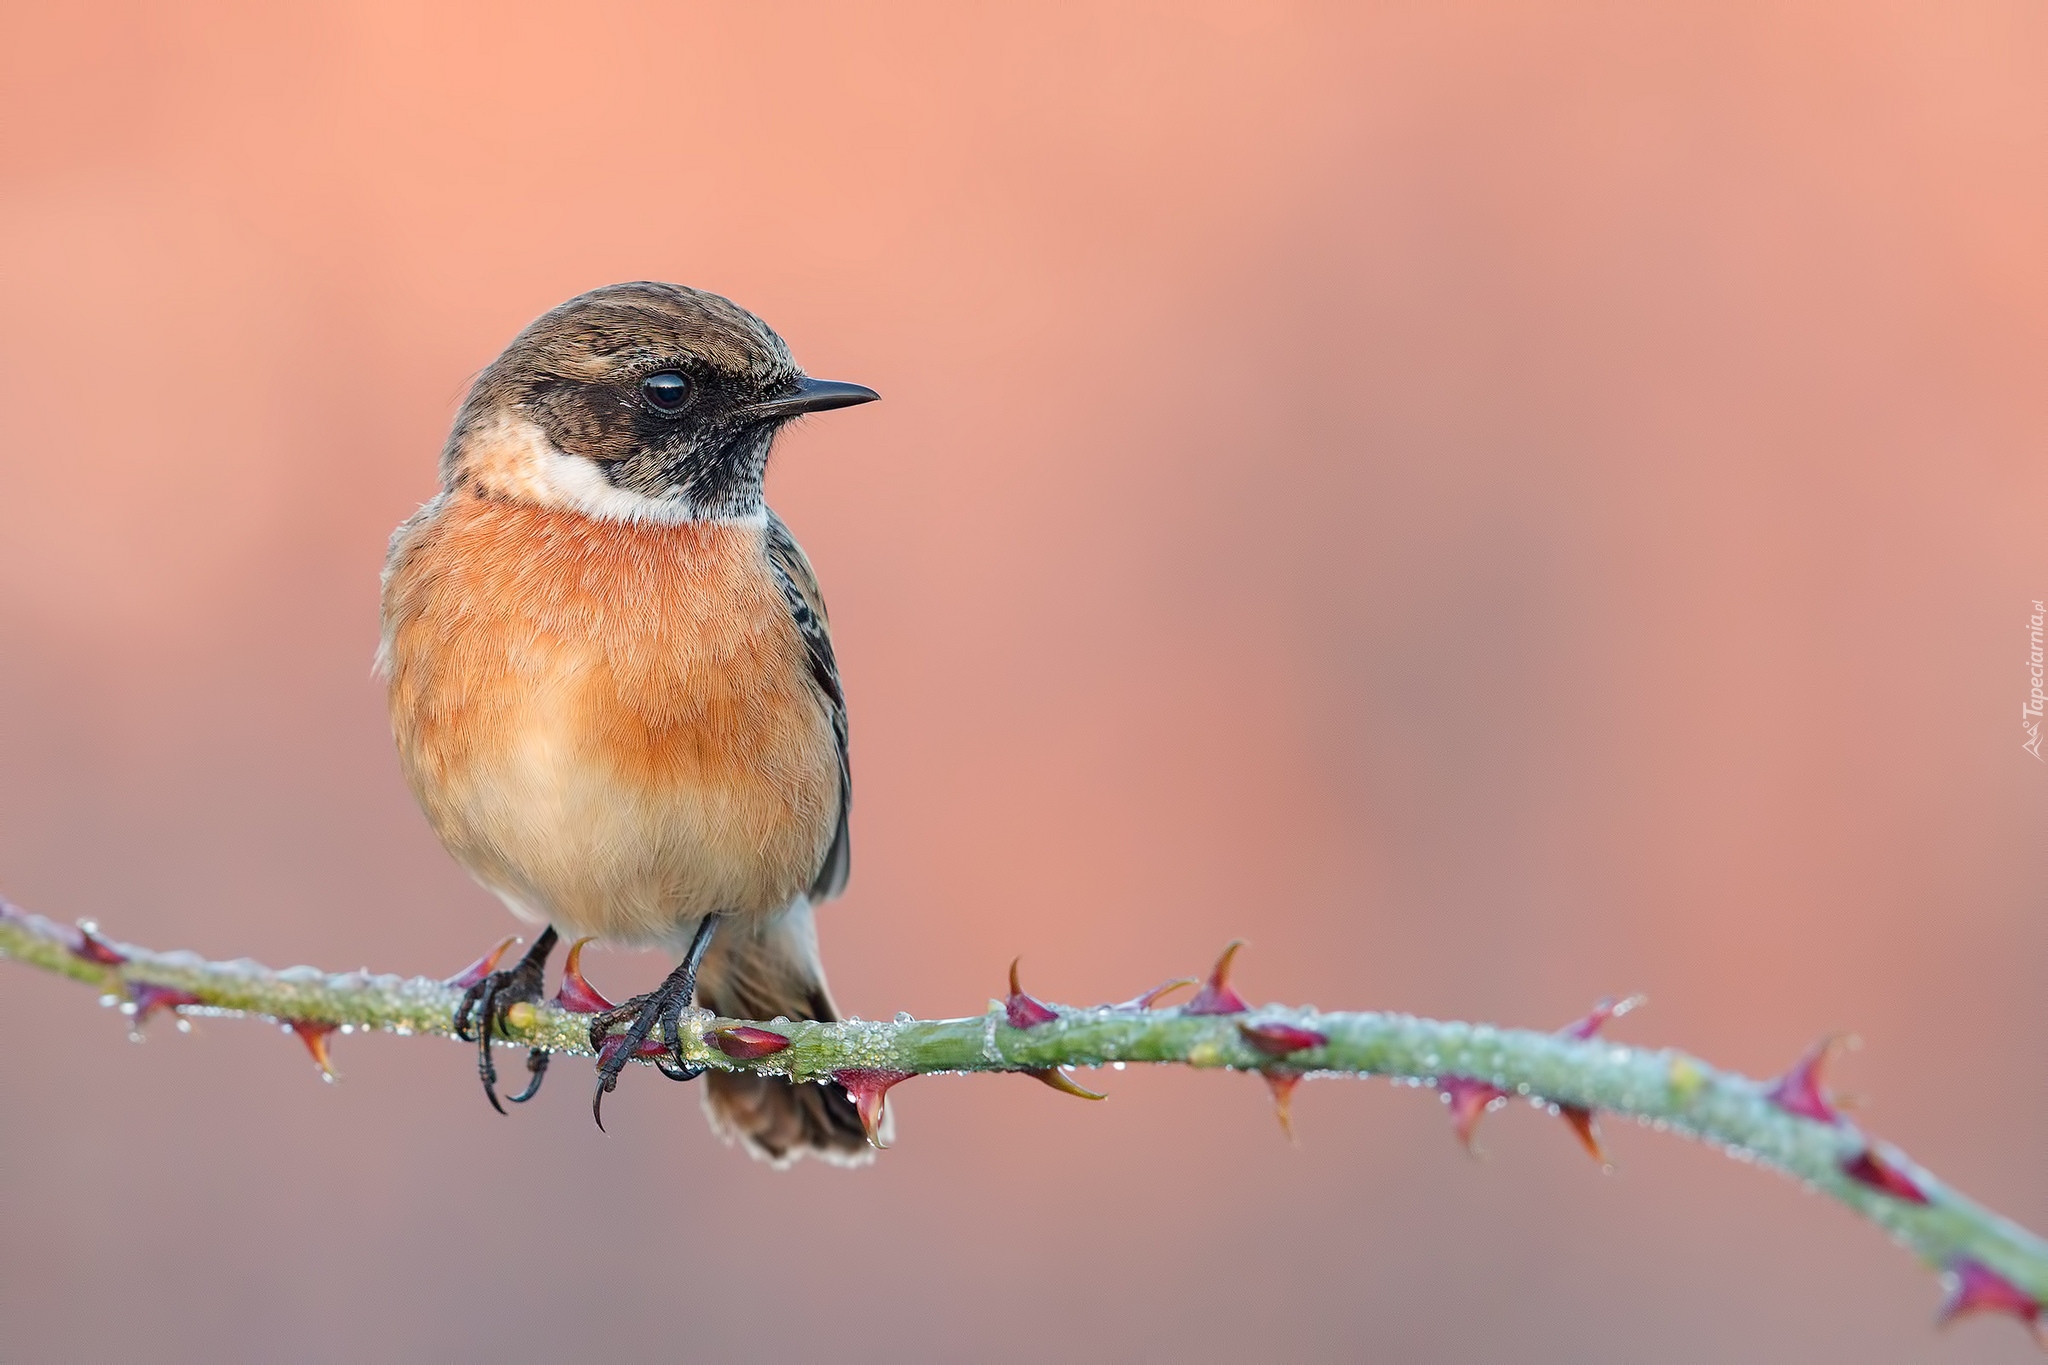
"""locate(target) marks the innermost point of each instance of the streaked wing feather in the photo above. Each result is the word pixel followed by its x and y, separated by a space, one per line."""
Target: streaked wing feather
pixel 807 609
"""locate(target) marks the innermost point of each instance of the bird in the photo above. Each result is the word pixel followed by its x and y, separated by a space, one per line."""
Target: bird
pixel 612 687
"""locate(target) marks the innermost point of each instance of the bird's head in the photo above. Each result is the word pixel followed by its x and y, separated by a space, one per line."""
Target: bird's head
pixel 639 401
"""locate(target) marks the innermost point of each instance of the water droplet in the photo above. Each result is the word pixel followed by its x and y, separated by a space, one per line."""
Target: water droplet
pixel 184 1026
pixel 905 1017
pixel 1119 1066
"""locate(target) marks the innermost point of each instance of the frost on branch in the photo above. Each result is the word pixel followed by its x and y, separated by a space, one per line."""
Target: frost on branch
pixel 1790 1124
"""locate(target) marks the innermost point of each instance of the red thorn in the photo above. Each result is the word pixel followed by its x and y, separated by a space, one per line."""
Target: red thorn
pixel 1282 1084
pixel 314 1035
pixel 577 995
pixel 745 1043
pixel 1469 1100
pixel 1155 995
pixel 148 999
pixel 1217 995
pixel 1584 1124
pixel 479 969
pixel 1871 1167
pixel 1065 1084
pixel 1024 1012
pixel 1974 1287
pixel 1608 1008
pixel 1799 1090
pixel 92 948
pixel 649 1047
pixel 1281 1040
pixel 869 1087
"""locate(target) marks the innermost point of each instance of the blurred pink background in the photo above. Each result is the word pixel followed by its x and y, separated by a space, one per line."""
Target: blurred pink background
pixel 1494 504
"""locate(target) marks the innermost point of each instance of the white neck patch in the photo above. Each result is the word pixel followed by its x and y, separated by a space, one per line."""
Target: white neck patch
pixel 513 458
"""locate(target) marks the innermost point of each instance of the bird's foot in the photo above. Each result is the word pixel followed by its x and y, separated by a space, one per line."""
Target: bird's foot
pixel 485 1004
pixel 661 1008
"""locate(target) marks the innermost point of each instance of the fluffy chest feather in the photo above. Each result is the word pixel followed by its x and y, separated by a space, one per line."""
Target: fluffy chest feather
pixel 613 725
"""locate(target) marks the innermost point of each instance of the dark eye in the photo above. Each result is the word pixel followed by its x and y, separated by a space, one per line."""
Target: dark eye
pixel 668 391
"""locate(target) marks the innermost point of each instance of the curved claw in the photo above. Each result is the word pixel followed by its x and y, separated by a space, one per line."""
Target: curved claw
pixel 536 1063
pixel 664 1007
pixel 613 1052
pixel 677 1071
pixel 487 1001
pixel 486 1069
pixel 462 1012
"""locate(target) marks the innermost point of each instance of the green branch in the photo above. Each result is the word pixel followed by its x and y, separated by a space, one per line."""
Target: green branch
pixel 1988 1261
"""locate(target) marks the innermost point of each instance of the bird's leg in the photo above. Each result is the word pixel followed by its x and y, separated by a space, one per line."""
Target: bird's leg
pixel 662 1007
pixel 488 1000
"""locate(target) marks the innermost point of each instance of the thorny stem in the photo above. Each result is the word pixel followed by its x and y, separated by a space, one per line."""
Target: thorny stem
pixel 1665 1089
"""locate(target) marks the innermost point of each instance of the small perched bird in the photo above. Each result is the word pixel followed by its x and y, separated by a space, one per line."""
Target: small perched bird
pixel 612 684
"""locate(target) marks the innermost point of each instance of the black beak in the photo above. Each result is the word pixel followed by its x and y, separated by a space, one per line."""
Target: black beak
pixel 812 395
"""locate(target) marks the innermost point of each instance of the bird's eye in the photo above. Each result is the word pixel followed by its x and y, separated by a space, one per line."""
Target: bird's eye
pixel 667 391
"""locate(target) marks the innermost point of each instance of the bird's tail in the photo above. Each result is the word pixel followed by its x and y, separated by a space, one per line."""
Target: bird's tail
pixel 761 969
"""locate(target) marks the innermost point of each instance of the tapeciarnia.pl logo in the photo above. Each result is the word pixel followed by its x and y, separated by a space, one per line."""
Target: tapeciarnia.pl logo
pixel 2030 712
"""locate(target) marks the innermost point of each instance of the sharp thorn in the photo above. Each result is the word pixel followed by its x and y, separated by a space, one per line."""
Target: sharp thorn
pixel 1974 1287
pixel 1158 993
pixel 1065 1084
pixel 1583 1123
pixel 1282 1040
pixel 746 1044
pixel 1217 996
pixel 315 1035
pixel 481 968
pixel 1800 1091
pixel 577 995
pixel 868 1087
pixel 1609 1008
pixel 1874 1168
pixel 1469 1101
pixel 1022 1011
pixel 1282 1084
pixel 92 948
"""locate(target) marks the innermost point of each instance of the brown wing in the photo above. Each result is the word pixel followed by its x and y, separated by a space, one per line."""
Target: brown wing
pixel 807 609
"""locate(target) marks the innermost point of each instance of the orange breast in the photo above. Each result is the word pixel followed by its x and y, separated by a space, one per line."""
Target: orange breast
pixel 611 724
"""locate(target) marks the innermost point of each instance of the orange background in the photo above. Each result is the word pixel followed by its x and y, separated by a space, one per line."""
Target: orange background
pixel 1494 504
